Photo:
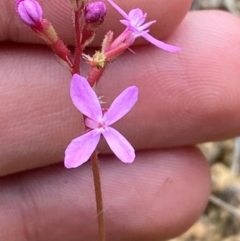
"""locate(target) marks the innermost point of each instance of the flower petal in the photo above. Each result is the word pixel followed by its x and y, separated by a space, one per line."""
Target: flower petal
pixel 121 105
pixel 84 98
pixel 81 148
pixel 126 23
pixel 124 14
pixel 160 44
pixel 119 145
pixel 146 25
pixel 136 17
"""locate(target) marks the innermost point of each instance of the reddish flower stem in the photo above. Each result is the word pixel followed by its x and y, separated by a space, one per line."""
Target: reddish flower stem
pixel 94 75
pixel 113 53
pixel 78 47
pixel 98 196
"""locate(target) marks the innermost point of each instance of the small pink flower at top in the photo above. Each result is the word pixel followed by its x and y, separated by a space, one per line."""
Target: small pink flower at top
pixel 87 102
pixel 30 12
pixel 134 21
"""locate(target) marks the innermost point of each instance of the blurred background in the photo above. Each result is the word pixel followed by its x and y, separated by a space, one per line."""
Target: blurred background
pixel 221 219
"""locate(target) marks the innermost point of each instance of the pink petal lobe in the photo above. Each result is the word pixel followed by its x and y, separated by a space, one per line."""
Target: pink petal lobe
pixel 84 97
pixel 146 25
pixel 137 17
pixel 160 44
pixel 126 23
pixel 121 105
pixel 81 148
pixel 114 5
pixel 119 145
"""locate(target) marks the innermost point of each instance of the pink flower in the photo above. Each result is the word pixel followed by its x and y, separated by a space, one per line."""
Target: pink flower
pixel 134 21
pixel 87 102
pixel 30 12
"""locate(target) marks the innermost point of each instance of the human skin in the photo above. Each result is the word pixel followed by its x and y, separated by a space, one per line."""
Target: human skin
pixel 185 98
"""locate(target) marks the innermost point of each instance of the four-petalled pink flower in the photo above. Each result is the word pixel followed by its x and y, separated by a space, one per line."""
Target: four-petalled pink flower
pixel 135 27
pixel 87 102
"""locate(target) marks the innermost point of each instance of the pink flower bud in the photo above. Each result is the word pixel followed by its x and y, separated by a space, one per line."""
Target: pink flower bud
pixel 95 12
pixel 30 12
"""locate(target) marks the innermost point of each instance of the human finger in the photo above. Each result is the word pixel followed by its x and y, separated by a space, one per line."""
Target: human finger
pixel 167 13
pixel 156 198
pixel 184 97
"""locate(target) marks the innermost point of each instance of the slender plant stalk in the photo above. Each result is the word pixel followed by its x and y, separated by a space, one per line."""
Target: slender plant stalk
pixel 94 75
pixel 98 196
pixel 78 48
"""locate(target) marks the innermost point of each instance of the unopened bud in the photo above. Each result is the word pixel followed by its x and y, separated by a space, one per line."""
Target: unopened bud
pixel 30 12
pixel 95 12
